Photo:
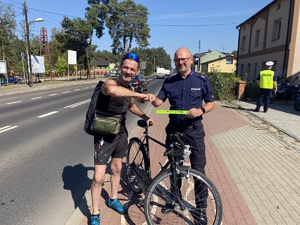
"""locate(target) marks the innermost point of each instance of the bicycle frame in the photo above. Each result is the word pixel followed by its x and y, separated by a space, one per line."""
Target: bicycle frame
pixel 145 141
pixel 172 162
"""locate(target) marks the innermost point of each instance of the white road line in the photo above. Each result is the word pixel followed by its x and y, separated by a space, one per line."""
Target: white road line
pixel 47 114
pixel 10 103
pixel 36 98
pixel 86 88
pixel 77 104
pixel 52 94
pixel 77 90
pixel 7 128
pixel 66 92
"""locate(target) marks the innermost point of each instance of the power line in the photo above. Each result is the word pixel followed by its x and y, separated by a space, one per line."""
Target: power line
pixel 192 25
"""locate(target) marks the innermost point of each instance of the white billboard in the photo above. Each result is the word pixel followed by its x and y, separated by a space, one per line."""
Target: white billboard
pixel 37 64
pixel 3 68
pixel 72 57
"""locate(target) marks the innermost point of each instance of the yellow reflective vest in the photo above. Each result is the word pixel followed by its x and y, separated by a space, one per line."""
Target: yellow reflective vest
pixel 266 79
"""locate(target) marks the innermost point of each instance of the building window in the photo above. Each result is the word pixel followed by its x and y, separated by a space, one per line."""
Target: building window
pixel 229 60
pixel 276 29
pixel 249 68
pixel 257 38
pixel 242 71
pixel 243 43
pixel 255 71
pixel 278 6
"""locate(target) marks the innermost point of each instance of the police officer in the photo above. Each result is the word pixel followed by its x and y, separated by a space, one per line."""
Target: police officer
pixel 266 82
pixel 186 91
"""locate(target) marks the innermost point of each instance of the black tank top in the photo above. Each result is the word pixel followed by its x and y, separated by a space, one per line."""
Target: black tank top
pixel 117 106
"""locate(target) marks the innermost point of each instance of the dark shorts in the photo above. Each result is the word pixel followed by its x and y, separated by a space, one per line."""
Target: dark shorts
pixel 106 146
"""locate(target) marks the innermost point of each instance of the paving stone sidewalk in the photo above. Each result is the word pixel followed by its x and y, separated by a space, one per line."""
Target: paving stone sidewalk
pixel 256 174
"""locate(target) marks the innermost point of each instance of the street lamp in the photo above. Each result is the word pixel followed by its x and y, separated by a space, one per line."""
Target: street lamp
pixel 28 44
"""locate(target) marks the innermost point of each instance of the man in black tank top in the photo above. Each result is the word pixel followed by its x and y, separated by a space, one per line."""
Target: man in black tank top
pixel 121 99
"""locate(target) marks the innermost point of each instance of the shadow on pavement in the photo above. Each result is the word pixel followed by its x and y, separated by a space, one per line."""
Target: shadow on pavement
pixel 76 180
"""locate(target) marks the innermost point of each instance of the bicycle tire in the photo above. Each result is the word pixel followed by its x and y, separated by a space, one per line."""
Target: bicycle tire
pixel 297 104
pixel 159 192
pixel 136 164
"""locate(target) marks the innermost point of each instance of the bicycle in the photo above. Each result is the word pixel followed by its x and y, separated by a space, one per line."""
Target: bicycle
pixel 173 185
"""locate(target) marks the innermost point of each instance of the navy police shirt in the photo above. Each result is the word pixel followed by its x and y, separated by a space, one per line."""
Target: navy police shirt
pixel 185 94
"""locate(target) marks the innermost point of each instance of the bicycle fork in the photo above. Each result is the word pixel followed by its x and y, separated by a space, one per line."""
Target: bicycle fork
pixel 176 182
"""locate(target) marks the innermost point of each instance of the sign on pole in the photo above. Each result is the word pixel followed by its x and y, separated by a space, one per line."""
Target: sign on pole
pixel 143 65
pixel 3 68
pixel 72 57
pixel 72 60
pixel 37 64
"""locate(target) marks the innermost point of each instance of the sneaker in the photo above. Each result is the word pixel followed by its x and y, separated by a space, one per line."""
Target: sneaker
pixel 116 205
pixel 256 110
pixel 95 219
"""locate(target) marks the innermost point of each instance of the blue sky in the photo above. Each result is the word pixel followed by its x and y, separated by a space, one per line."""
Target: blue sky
pixel 173 23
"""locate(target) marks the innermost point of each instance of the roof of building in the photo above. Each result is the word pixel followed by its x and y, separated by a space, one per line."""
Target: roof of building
pixel 267 6
pixel 102 62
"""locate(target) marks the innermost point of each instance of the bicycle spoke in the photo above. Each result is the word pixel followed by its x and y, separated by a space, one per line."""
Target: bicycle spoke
pixel 186 210
pixel 135 165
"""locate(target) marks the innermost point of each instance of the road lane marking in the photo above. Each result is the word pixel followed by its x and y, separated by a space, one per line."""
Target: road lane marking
pixel 10 103
pixel 77 90
pixel 77 104
pixel 86 88
pixel 36 98
pixel 66 92
pixel 7 128
pixel 47 114
pixel 52 94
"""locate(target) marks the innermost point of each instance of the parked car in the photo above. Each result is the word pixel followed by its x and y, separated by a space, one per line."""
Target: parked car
pixel 11 80
pixel 139 83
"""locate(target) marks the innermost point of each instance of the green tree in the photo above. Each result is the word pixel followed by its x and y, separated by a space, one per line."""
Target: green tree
pixel 234 53
pixel 7 31
pixel 54 47
pixel 75 36
pixel 61 65
pixel 126 21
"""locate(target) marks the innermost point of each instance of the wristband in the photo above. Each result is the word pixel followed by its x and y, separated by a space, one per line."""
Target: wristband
pixel 203 110
pixel 145 117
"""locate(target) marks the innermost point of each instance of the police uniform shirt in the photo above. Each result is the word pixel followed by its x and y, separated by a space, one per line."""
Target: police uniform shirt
pixel 185 94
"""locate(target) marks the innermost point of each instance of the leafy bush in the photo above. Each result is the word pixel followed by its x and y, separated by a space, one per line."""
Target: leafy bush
pixel 223 85
pixel 251 91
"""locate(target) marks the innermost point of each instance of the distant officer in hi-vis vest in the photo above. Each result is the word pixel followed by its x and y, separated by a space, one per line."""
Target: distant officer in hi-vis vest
pixel 266 81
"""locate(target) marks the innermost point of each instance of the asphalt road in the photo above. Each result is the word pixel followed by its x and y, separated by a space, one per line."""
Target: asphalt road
pixel 46 159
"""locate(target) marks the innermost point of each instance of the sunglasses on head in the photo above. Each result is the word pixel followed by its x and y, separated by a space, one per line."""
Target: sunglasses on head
pixel 132 56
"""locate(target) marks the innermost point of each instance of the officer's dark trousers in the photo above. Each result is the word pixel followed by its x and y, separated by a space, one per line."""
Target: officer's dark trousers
pixel 194 136
pixel 264 94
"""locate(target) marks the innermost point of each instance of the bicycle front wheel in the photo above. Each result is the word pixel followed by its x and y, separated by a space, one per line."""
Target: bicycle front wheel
pixel 136 164
pixel 197 196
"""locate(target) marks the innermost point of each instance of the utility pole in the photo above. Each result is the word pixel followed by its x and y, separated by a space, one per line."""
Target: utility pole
pixel 28 45
pixel 199 58
pixel 154 65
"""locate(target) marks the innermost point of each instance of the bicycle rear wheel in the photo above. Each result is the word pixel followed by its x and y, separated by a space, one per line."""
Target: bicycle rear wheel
pixel 161 192
pixel 136 164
